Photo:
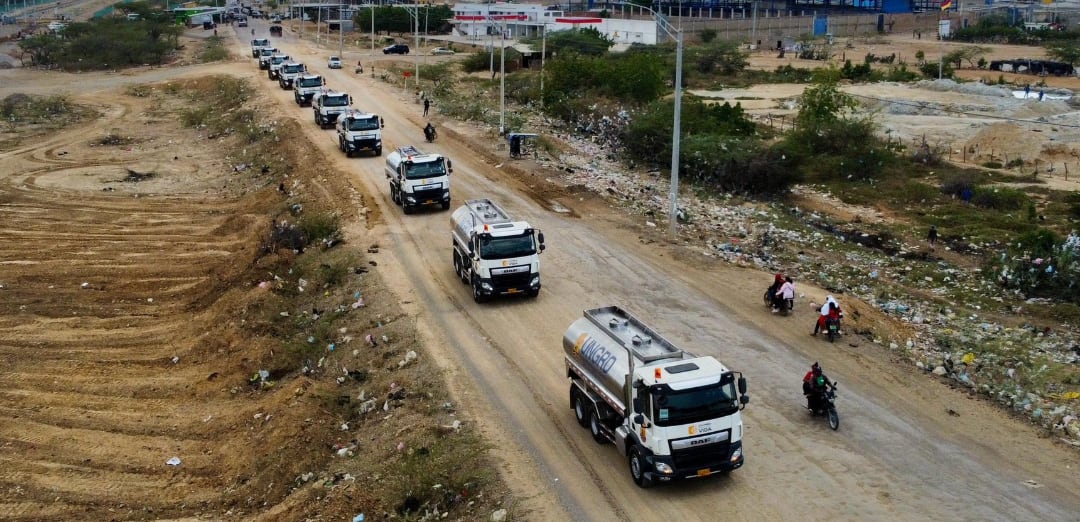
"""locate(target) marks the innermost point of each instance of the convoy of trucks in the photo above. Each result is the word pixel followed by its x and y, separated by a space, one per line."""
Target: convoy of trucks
pixel 418 179
pixel 671 414
pixel 359 131
pixel 494 254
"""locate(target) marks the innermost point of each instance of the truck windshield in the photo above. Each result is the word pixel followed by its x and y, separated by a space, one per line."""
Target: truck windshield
pixel 260 43
pixel 267 52
pixel 293 69
pixel 310 82
pixel 277 61
pixel 335 101
pixel 507 246
pixel 364 124
pixel 680 407
pixel 430 169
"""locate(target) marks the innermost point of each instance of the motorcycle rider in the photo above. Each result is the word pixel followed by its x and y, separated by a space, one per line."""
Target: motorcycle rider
pixel 783 294
pixel 778 281
pixel 829 310
pixel 814 385
pixel 429 132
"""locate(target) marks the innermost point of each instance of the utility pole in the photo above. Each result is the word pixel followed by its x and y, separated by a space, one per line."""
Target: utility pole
pixel 543 56
pixel 341 31
pixel 502 82
pixel 372 30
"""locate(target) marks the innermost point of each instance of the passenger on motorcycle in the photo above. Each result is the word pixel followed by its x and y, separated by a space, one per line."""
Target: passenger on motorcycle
pixel 429 132
pixel 814 385
pixel 829 311
pixel 784 295
pixel 770 294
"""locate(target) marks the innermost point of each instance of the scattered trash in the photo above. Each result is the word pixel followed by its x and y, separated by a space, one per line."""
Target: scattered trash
pixel 358 518
pixel 175 461
pixel 176 359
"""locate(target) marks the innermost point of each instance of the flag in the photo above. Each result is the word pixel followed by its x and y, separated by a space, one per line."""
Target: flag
pixel 946 5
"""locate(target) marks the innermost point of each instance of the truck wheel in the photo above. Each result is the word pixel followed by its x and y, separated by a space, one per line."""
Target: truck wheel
pixel 533 293
pixel 637 470
pixel 446 205
pixel 407 208
pixel 478 296
pixel 594 427
pixel 378 151
pixel 581 407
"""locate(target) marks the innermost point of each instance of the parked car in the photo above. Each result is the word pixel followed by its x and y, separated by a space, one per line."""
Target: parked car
pixel 242 22
pixel 440 51
pixel 396 49
pixel 334 62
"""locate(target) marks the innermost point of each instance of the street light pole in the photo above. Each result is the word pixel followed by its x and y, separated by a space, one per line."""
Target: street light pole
pixel 502 82
pixel 676 132
pixel 341 30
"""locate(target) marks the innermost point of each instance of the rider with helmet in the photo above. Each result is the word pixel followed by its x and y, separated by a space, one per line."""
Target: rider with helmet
pixel 429 132
pixel 814 385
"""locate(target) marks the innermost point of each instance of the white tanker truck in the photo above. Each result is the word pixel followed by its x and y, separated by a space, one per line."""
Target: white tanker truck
pixel 673 415
pixel 493 253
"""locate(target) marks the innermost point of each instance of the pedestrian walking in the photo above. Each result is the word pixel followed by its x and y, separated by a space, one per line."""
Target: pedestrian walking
pixel 427 105
pixel 1040 94
pixel 931 236
pixel 1027 91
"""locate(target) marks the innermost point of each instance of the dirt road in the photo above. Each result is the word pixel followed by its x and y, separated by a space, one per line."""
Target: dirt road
pixel 898 455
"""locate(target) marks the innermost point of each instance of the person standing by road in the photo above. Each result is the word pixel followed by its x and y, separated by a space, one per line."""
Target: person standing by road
pixel 931 236
pixel 427 105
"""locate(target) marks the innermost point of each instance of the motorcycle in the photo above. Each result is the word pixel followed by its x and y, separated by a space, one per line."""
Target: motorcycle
pixel 832 328
pixel 430 134
pixel 827 407
pixel 359 69
pixel 783 306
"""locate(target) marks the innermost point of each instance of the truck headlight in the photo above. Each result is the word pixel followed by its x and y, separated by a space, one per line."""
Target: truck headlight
pixel 486 286
pixel 736 455
pixel 664 468
pixel 378 142
pixel 410 199
pixel 535 281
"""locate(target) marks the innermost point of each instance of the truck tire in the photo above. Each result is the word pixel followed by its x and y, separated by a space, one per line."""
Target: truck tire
pixel 637 470
pixel 581 406
pixel 446 205
pixel 594 427
pixel 378 151
pixel 533 293
pixel 477 296
pixel 407 208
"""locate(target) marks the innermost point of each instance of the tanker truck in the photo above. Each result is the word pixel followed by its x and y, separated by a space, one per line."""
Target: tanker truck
pixel 418 179
pixel 493 253
pixel 671 414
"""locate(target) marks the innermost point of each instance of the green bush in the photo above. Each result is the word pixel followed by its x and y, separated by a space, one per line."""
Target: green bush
pixel 956 182
pixel 999 198
pixel 317 227
pixel 1073 201
pixel 214 50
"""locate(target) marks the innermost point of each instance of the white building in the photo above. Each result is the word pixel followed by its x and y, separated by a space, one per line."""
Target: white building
pixel 479 21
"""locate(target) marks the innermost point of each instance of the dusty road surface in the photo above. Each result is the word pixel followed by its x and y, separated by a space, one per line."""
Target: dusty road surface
pixel 76 383
pixel 898 455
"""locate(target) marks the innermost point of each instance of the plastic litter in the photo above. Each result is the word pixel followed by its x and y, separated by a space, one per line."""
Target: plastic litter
pixel 175 461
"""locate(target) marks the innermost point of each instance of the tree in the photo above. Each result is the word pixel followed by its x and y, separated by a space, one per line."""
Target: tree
pixel 968 53
pixel 587 41
pixel 1065 51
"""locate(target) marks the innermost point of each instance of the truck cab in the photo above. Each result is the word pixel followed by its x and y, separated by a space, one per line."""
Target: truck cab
pixel 277 61
pixel 264 57
pixel 418 179
pixel 493 253
pixel 258 44
pixel 288 73
pixel 328 106
pixel 305 87
pixel 359 131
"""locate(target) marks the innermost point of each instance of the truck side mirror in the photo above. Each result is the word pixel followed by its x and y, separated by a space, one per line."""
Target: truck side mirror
pixel 744 399
pixel 639 419
pixel 382 123
pixel 637 408
pixel 449 165
pixel 540 237
pixel 350 100
pixel 742 385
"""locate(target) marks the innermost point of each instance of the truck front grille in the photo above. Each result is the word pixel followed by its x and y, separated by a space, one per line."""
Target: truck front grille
pixel 710 456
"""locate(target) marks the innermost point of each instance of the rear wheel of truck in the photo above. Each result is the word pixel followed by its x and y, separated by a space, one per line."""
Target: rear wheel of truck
pixel 637 470
pixel 594 427
pixel 581 406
